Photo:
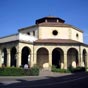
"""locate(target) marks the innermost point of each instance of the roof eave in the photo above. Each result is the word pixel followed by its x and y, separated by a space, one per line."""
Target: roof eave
pixel 27 28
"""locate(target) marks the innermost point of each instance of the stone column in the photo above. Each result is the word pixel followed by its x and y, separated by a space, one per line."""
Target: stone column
pixel 34 58
pixel 0 58
pixel 86 61
pixel 31 60
pixel 8 58
pixel 65 60
pixel 80 60
pixel 50 60
pixel 18 59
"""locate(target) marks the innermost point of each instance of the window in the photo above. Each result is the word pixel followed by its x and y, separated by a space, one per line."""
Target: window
pixel 55 32
pixel 33 33
pixel 77 36
pixel 28 33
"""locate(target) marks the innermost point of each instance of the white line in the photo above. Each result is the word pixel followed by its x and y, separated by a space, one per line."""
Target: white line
pixel 9 82
pixel 50 84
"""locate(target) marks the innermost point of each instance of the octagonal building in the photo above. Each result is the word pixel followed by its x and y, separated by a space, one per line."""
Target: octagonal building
pixel 49 42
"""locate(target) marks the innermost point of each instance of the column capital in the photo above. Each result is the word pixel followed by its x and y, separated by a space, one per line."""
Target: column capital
pixel 65 52
pixel 8 50
pixel 18 52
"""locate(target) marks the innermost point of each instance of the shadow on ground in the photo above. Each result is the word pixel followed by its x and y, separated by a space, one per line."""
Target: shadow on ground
pixel 78 80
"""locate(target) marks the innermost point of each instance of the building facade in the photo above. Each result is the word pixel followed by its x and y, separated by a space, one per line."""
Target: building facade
pixel 49 42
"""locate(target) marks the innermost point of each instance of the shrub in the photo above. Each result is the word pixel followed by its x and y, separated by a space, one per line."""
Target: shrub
pixel 69 70
pixel 54 69
pixel 11 71
pixel 77 69
pixel 34 71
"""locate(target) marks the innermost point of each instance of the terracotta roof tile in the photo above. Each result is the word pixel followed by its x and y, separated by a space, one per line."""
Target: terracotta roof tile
pixel 56 41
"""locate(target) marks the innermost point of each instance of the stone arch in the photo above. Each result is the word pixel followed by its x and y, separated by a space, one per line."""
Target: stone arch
pixel 84 53
pixel 13 52
pixel 4 57
pixel 43 58
pixel 57 57
pixel 72 57
pixel 25 56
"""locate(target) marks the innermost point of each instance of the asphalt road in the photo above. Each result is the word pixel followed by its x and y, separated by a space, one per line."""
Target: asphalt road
pixel 78 80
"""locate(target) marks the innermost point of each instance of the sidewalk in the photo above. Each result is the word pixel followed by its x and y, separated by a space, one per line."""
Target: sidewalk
pixel 44 75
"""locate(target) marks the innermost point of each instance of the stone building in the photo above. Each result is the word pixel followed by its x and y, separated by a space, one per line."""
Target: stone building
pixel 49 42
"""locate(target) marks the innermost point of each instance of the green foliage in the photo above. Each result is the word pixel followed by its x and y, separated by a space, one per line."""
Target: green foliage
pixel 77 69
pixel 11 71
pixel 34 71
pixel 69 70
pixel 54 69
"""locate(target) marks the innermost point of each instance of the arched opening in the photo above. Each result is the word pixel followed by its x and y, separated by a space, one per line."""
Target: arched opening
pixel 84 58
pixel 57 57
pixel 13 56
pixel 42 58
pixel 72 57
pixel 25 56
pixel 4 57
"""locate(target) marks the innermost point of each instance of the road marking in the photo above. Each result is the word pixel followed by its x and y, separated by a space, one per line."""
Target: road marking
pixel 9 82
pixel 51 84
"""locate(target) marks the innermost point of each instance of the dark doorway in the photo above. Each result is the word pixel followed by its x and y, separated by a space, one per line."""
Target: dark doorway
pixel 56 57
pixel 4 57
pixel 25 54
pixel 84 57
pixel 13 57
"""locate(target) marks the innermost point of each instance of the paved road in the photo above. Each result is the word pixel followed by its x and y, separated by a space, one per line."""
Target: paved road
pixel 78 80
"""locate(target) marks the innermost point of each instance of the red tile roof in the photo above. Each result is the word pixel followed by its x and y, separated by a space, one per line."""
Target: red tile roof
pixel 56 41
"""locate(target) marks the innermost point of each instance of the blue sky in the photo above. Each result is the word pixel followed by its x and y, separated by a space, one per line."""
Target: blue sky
pixel 16 14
